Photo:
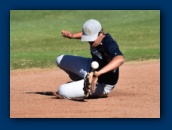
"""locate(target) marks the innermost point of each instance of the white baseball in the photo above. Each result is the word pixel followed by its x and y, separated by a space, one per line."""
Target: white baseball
pixel 94 64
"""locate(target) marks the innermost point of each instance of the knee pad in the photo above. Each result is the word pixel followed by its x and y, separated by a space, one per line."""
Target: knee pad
pixel 63 91
pixel 58 59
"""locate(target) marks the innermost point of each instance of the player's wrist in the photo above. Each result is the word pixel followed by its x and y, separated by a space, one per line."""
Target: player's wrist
pixel 72 36
pixel 101 72
pixel 97 73
pixel 76 35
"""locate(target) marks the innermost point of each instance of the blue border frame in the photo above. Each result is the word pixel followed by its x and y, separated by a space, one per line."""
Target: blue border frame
pixel 165 68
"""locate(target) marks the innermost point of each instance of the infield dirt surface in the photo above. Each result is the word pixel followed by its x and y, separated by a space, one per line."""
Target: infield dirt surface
pixel 136 95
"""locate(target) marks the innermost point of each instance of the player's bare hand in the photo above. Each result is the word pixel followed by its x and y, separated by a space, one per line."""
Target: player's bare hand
pixel 66 34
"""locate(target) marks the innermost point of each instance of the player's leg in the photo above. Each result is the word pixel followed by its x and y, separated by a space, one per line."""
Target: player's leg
pixel 102 90
pixel 75 66
pixel 74 90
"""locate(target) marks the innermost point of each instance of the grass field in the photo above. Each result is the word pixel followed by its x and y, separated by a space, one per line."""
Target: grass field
pixel 36 41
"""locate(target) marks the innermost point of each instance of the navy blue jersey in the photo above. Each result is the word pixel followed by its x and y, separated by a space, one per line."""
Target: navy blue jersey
pixel 103 54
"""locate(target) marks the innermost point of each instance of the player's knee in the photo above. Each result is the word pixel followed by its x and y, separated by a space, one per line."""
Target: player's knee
pixel 63 91
pixel 58 59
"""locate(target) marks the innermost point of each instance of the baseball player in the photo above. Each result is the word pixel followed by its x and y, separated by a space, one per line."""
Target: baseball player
pixel 105 50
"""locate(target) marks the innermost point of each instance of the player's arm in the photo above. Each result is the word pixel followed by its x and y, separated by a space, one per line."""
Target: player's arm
pixel 113 64
pixel 70 35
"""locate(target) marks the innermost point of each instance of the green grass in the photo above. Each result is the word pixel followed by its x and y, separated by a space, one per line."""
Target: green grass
pixel 36 41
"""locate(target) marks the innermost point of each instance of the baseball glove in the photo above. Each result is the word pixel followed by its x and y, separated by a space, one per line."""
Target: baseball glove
pixel 90 82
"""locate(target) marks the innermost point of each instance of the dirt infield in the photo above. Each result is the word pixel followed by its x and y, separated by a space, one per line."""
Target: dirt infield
pixel 137 94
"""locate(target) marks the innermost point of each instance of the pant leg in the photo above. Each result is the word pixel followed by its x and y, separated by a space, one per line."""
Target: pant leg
pixel 102 90
pixel 74 65
pixel 74 90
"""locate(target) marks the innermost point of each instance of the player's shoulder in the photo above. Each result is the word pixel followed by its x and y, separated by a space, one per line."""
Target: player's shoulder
pixel 108 39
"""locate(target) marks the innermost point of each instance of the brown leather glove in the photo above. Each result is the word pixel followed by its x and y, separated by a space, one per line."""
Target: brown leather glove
pixel 90 82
